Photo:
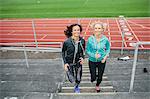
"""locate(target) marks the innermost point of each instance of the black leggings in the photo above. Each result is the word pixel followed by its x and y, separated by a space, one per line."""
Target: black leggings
pixel 101 67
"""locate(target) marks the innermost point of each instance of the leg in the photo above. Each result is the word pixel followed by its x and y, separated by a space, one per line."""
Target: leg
pixel 70 74
pixel 78 74
pixel 101 68
pixel 92 67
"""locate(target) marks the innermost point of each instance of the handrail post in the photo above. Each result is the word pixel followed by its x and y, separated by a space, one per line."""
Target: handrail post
pixel 25 54
pixel 134 63
pixel 134 67
pixel 122 46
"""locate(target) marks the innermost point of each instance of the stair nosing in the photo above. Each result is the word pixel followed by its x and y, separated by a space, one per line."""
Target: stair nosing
pixel 101 93
pixel 103 87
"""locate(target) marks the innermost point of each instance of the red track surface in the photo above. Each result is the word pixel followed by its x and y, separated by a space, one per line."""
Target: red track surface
pixel 51 30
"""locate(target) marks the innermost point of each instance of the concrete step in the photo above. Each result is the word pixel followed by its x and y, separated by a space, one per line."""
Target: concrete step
pixel 139 85
pixel 103 95
pixel 89 79
pixel 25 95
pixel 87 83
pixel 122 71
pixel 87 89
pixel 128 77
pixel 113 62
pixel 86 71
pixel 27 86
pixel 84 94
pixel 32 71
pixel 34 77
pixel 27 77
pixel 121 66
pixel 89 75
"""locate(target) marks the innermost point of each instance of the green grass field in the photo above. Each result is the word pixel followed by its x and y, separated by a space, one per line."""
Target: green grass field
pixel 73 8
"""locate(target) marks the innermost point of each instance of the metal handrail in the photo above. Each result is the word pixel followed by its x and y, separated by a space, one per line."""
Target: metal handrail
pixel 28 43
pixel 19 46
pixel 134 63
pixel 34 43
pixel 25 49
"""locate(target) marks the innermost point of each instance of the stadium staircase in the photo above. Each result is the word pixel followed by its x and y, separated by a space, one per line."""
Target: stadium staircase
pixel 41 79
pixel 115 84
pixel 86 87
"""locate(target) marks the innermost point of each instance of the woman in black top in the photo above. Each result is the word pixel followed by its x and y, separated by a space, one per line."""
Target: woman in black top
pixel 73 53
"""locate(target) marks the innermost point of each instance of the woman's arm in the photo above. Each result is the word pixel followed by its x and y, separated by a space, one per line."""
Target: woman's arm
pixel 89 49
pixel 107 48
pixel 64 48
pixel 107 51
pixel 82 44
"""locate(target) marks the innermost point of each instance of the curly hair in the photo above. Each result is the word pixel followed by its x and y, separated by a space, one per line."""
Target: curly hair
pixel 68 31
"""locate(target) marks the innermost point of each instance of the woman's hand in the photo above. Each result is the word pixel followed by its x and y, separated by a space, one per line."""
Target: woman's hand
pixel 104 59
pixel 97 55
pixel 81 60
pixel 66 66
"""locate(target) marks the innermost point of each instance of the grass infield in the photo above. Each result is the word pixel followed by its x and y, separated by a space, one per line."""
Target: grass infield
pixel 73 8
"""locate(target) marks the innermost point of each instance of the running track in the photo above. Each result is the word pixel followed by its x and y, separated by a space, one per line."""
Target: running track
pixel 51 30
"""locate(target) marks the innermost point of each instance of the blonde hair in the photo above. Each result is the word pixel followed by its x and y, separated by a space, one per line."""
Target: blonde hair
pixel 104 25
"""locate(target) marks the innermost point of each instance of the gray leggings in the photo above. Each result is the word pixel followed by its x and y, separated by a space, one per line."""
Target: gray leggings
pixel 76 71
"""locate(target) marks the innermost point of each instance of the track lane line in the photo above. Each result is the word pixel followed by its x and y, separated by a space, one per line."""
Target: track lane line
pixel 133 32
pixel 137 24
pixel 108 29
pixel 43 37
pixel 87 28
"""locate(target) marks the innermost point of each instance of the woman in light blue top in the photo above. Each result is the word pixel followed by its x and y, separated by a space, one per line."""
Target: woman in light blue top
pixel 98 49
